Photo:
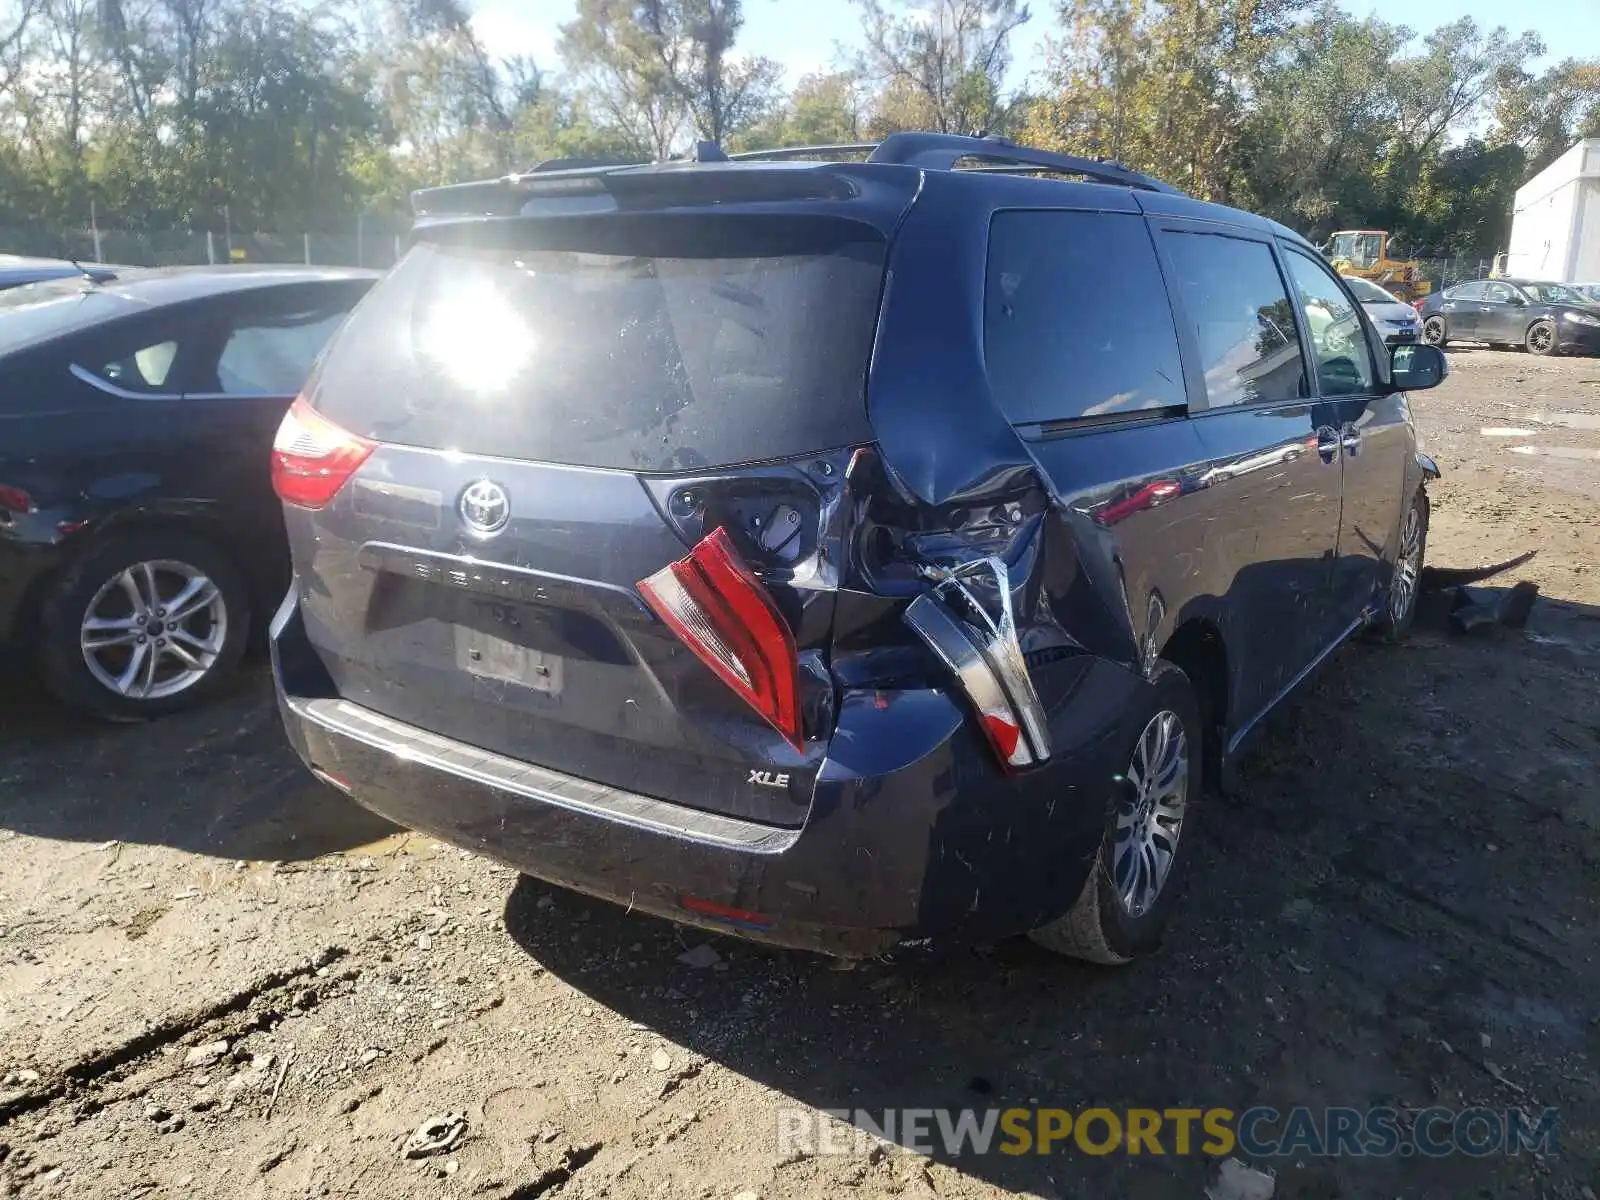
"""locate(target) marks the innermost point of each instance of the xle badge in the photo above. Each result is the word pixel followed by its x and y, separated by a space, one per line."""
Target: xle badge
pixel 768 779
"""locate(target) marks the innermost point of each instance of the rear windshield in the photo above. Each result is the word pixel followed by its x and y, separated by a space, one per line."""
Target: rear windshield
pixel 639 343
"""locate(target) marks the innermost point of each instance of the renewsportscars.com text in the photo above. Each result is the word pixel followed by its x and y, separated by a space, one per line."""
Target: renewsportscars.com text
pixel 1260 1132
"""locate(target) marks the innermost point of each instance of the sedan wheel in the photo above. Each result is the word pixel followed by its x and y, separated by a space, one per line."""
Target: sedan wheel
pixel 1542 337
pixel 144 623
pixel 155 629
pixel 1433 331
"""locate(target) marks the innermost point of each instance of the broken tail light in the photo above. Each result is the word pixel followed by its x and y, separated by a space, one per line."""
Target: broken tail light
pixel 312 458
pixel 981 649
pixel 721 611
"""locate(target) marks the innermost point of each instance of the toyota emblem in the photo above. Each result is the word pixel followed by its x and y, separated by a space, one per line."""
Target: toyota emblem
pixel 485 507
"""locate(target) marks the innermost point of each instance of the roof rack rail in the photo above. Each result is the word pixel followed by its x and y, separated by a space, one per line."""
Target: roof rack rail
pixel 780 153
pixel 941 152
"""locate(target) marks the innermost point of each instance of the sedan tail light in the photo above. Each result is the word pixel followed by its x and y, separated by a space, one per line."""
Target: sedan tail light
pixel 721 611
pixel 15 500
pixel 312 458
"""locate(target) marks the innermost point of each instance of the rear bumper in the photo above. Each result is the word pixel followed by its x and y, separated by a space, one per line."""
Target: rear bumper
pixel 913 833
pixel 23 565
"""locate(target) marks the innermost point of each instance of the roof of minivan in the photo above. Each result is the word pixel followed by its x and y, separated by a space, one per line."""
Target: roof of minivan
pixel 1156 202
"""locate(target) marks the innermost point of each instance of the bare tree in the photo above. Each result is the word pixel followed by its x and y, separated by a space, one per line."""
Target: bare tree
pixel 723 93
pixel 627 58
pixel 942 62
pixel 13 30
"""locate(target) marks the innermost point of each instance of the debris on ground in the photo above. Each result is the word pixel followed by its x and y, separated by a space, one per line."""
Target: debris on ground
pixel 1236 1181
pixel 274 1157
pixel 1517 604
pixel 436 1135
pixel 205 1055
pixel 1442 579
pixel 1471 611
pixel 701 957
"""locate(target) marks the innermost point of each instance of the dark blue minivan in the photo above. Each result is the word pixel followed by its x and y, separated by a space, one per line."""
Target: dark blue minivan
pixel 845 548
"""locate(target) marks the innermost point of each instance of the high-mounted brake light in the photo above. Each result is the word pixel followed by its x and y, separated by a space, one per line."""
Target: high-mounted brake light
pixel 312 458
pixel 721 611
pixel 983 653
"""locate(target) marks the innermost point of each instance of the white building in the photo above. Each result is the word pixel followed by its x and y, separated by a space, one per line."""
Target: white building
pixel 1555 223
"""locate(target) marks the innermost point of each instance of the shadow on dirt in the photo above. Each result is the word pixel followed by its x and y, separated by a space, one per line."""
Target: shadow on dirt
pixel 1393 887
pixel 220 780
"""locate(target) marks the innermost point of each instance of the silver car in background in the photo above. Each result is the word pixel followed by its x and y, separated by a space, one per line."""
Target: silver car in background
pixel 1396 320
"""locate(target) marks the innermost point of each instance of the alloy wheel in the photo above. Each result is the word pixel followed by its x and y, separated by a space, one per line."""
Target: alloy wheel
pixel 154 629
pixel 1541 338
pixel 1150 815
pixel 1433 332
pixel 1407 567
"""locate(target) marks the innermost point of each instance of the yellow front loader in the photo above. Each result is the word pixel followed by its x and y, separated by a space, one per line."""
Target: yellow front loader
pixel 1365 252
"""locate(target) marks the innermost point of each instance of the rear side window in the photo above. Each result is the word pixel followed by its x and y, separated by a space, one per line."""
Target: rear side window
pixel 633 342
pixel 1242 318
pixel 144 370
pixel 1076 321
pixel 272 355
pixel 1465 291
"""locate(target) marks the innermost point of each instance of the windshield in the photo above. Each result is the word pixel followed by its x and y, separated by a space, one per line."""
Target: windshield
pixel 1362 249
pixel 1368 292
pixel 1555 293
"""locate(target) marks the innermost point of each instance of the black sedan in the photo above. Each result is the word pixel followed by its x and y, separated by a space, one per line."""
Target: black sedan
pixel 16 271
pixel 1547 318
pixel 140 538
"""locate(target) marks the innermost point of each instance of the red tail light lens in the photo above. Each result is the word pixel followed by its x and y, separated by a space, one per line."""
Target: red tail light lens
pixel 312 458
pixel 722 612
pixel 15 500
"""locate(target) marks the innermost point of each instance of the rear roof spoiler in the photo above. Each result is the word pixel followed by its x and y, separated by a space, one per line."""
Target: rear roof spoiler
pixel 572 177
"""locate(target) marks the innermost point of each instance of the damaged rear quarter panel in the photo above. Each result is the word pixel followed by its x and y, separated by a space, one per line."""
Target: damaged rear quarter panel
pixel 1113 587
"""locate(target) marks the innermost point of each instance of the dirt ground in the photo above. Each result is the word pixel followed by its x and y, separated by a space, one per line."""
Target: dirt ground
pixel 219 979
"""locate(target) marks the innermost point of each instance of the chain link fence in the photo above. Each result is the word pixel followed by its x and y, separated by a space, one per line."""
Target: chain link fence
pixel 378 246
pixel 1447 272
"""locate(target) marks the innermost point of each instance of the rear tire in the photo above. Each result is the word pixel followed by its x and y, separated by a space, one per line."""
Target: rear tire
pixel 1542 339
pixel 1434 332
pixel 110 647
pixel 1114 919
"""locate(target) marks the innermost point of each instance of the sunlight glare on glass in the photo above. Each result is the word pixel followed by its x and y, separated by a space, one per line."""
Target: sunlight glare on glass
pixel 477 337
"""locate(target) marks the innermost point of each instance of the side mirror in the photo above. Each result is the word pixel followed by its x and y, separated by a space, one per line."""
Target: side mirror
pixel 1415 368
pixel 1517 300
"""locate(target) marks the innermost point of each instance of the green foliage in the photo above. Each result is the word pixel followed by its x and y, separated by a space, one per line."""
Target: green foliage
pixel 1314 117
pixel 294 115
